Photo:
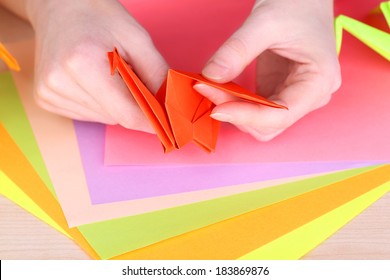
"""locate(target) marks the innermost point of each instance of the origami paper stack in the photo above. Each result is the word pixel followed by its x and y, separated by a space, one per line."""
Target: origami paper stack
pixel 119 196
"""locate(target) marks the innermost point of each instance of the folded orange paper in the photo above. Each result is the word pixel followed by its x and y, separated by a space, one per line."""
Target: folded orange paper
pixel 178 113
pixel 8 58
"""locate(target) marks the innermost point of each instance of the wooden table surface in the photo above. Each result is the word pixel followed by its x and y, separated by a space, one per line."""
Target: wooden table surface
pixel 22 236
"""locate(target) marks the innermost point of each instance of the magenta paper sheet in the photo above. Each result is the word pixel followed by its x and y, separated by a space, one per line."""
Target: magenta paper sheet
pixel 353 127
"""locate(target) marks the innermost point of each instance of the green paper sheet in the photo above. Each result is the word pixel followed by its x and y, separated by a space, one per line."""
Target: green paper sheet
pixel 13 117
pixel 299 242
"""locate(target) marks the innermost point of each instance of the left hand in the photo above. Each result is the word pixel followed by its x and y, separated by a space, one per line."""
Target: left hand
pixel 297 65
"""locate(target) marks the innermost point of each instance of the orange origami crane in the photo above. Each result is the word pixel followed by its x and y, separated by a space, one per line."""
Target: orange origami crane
pixel 178 113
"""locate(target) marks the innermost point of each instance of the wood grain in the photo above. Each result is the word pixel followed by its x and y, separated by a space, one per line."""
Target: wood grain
pixel 22 236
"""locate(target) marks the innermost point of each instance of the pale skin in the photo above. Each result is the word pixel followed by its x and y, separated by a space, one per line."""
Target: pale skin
pixel 296 58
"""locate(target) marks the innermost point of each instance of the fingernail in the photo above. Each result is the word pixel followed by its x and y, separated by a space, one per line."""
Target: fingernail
pixel 215 70
pixel 222 117
pixel 201 87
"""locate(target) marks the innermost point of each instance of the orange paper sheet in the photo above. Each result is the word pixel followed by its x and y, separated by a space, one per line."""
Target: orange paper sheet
pixel 178 113
pixel 12 163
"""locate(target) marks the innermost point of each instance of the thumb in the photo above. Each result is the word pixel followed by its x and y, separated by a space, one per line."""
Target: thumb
pixel 250 40
pixel 140 51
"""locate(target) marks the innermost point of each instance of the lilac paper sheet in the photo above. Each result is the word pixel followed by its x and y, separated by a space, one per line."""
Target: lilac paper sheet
pixel 109 184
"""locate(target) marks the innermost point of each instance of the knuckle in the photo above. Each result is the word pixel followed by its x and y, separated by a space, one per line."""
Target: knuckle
pixel 141 34
pixel 333 76
pixel 43 104
pixel 42 93
pixel 126 120
pixel 236 48
pixel 76 58
pixel 264 138
pixel 52 80
pixel 337 81
pixel 279 122
pixel 325 100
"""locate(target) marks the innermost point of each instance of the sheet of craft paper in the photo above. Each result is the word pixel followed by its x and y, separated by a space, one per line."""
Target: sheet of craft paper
pixel 297 243
pixel 13 117
pixel 348 130
pixel 233 238
pixel 142 230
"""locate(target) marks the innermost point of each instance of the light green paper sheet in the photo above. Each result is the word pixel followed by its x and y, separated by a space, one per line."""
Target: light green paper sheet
pixel 376 39
pixel 139 231
pixel 299 242
pixel 13 193
pixel 14 119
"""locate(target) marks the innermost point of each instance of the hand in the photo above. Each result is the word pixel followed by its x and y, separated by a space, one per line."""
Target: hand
pixel 72 70
pixel 297 66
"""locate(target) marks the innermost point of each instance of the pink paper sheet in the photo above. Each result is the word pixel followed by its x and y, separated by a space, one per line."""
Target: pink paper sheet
pixel 346 129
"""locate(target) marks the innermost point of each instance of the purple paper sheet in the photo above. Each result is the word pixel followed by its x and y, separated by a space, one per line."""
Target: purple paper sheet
pixel 108 184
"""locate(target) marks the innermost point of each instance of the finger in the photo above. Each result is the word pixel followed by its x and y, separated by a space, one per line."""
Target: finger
pixel 139 51
pixel 265 123
pixel 215 95
pixel 109 91
pixel 251 39
pixel 85 116
pixel 56 103
pixel 57 83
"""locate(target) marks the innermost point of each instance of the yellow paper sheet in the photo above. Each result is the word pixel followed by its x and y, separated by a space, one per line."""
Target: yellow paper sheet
pixel 297 243
pixel 375 38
